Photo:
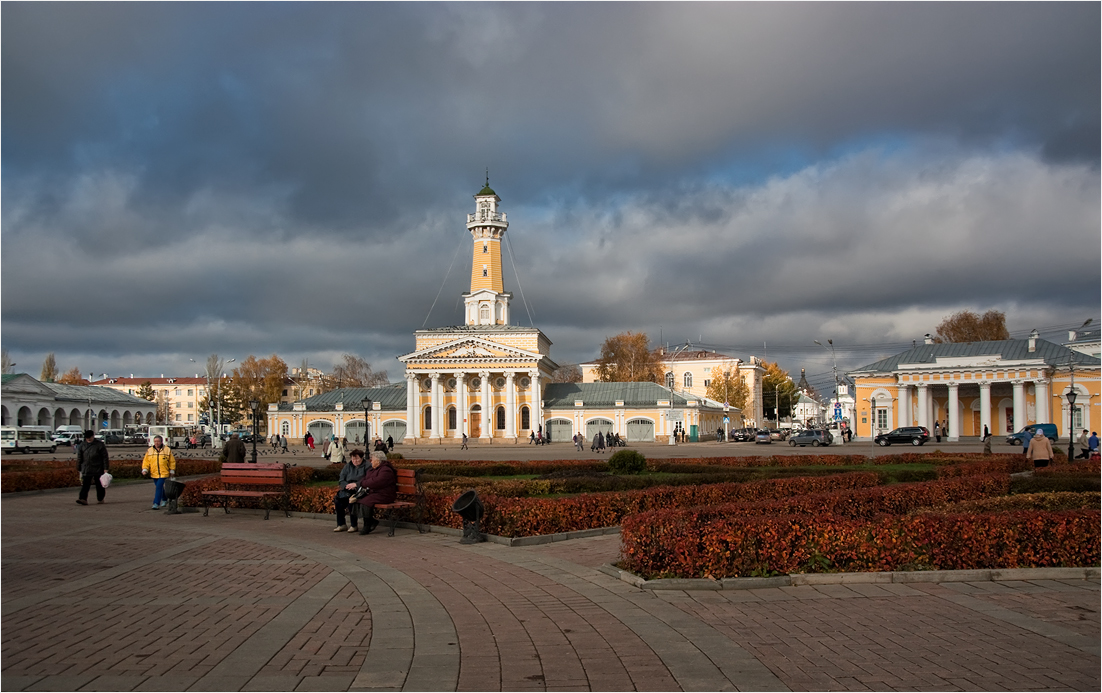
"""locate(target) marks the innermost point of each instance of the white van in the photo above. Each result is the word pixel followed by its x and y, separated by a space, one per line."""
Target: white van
pixel 21 439
pixel 174 436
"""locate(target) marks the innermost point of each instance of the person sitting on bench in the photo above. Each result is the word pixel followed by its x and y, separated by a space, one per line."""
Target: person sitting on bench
pixel 378 485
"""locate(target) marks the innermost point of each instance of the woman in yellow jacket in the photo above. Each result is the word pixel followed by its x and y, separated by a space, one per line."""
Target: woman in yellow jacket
pixel 159 463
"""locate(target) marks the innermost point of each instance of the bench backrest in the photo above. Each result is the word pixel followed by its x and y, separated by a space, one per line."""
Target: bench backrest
pixel 254 474
pixel 409 482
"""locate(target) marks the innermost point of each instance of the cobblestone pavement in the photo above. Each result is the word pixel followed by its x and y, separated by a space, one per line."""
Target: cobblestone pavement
pixel 120 597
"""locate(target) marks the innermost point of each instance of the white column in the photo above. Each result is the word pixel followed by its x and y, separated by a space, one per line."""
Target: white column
pixel 1043 404
pixel 412 429
pixel 460 405
pixel 1019 405
pixel 954 411
pixel 903 401
pixel 487 411
pixel 510 405
pixel 923 405
pixel 537 399
pixel 985 407
pixel 434 402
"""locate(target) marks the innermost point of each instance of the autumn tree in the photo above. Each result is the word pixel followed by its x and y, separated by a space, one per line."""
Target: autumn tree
pixel 778 390
pixel 6 364
pixel 71 377
pixel 163 410
pixel 567 374
pixel 259 379
pixel 49 369
pixel 728 386
pixel 145 391
pixel 628 358
pixel 967 326
pixel 356 372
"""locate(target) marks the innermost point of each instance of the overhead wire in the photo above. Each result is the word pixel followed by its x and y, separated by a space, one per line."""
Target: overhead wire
pixel 446 275
pixel 513 260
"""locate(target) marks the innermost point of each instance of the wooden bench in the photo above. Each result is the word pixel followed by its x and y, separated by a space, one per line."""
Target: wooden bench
pixel 270 475
pixel 410 496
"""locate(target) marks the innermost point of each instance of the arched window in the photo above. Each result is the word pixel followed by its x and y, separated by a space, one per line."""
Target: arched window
pixel 451 418
pixel 428 418
pixel 525 419
pixel 485 312
pixel 688 379
pixel 669 380
pixel 286 428
pixel 500 417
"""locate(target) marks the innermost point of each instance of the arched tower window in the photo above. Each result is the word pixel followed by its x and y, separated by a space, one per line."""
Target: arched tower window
pixel 428 418
pixel 500 418
pixel 525 419
pixel 451 418
pixel 485 314
pixel 669 380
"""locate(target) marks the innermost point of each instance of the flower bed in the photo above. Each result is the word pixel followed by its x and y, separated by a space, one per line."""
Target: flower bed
pixel 54 476
pixel 769 545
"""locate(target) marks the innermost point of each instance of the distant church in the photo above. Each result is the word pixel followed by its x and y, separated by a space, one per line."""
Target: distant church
pixel 488 379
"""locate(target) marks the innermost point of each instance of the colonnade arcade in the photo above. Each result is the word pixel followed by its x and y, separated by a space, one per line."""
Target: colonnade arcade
pixel 970 401
pixel 483 403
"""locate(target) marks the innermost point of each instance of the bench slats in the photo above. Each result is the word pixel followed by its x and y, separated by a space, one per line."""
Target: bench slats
pixel 250 474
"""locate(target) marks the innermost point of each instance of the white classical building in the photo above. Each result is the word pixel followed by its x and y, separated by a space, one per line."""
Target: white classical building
pixel 29 402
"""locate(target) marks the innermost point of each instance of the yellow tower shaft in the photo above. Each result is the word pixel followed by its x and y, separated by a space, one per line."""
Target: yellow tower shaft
pixel 486 264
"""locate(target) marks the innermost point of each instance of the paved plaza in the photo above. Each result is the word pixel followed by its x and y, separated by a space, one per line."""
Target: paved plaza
pixel 120 597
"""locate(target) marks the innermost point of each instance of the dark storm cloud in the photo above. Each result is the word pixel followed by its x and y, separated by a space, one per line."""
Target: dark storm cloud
pixel 294 176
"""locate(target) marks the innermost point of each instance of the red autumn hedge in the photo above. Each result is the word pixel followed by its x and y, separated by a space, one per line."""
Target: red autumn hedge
pixel 767 545
pixel 55 476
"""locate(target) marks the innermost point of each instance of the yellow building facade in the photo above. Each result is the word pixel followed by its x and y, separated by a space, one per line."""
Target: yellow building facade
pixel 971 387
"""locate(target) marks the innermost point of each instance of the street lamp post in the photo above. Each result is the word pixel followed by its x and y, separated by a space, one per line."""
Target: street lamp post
pixel 255 406
pixel 1072 396
pixel 367 408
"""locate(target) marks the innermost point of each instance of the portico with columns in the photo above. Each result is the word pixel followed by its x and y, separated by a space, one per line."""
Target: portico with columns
pixel 969 387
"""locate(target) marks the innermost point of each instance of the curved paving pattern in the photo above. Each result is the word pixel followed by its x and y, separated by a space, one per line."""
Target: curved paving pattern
pixel 118 597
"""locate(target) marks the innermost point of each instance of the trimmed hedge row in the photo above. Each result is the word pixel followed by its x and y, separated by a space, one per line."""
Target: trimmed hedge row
pixel 517 517
pixel 68 476
pixel 1026 501
pixel 748 546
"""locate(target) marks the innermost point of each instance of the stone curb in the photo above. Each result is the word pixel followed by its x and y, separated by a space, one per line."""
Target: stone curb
pixel 900 577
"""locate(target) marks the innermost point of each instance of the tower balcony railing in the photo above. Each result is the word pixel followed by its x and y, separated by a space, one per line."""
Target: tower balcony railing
pixel 486 217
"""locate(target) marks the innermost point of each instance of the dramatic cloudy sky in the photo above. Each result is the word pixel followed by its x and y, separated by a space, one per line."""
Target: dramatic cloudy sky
pixel 181 179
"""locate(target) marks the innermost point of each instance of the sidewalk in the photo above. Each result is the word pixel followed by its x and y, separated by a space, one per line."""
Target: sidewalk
pixel 119 597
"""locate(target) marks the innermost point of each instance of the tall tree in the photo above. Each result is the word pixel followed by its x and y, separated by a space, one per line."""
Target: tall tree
pixel 71 377
pixel 967 326
pixel 145 391
pixel 262 380
pixel 567 374
pixel 728 386
pixel 49 369
pixel 628 358
pixel 354 371
pixel 778 390
pixel 6 364
pixel 164 412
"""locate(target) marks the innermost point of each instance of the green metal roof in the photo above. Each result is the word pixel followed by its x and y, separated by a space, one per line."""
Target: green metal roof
pixel 390 398
pixel 486 190
pixel 563 395
pixel 1009 349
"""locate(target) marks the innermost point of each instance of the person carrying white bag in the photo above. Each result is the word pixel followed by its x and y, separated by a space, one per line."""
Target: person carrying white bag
pixel 93 465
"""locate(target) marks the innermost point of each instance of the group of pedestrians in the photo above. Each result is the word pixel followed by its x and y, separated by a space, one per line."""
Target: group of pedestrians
pixel 278 442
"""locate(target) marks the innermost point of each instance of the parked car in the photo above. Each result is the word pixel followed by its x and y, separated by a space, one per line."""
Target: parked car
pixel 811 436
pixel 743 435
pixel 1048 429
pixel 915 435
pixel 778 433
pixel 763 436
pixel 68 438
pixel 111 437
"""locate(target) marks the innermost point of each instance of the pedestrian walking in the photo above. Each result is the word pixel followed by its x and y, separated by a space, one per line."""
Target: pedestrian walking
pixel 986 432
pixel 390 443
pixel 579 440
pixel 92 463
pixel 1040 449
pixel 593 446
pixel 283 442
pixel 532 438
pixel 338 452
pixel 600 441
pixel 234 450
pixel 1084 446
pixel 160 464
pixel 1092 444
pixel 309 440
pixel 464 445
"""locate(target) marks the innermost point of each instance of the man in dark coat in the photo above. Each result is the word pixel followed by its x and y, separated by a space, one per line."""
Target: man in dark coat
pixel 92 462
pixel 381 483
pixel 235 449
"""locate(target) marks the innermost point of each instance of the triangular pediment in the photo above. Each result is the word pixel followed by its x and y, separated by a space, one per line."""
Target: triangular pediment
pixel 472 349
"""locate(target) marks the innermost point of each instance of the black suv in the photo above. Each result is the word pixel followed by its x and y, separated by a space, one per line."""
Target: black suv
pixel 915 435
